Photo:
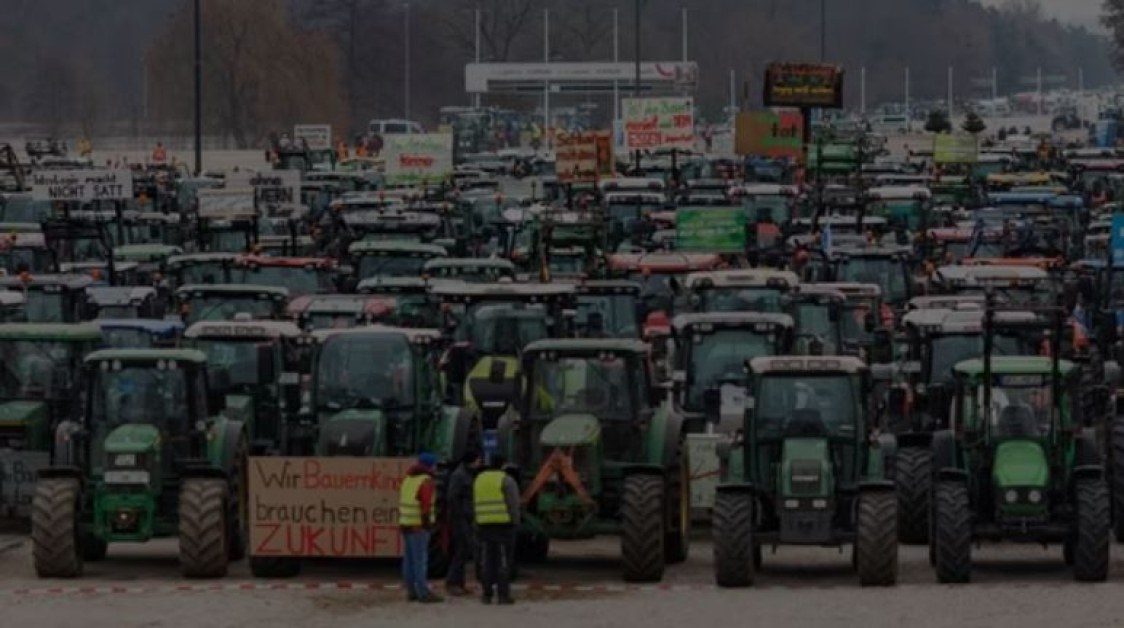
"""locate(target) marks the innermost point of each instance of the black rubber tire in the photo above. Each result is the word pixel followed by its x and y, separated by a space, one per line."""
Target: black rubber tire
pixel 677 541
pixel 55 541
pixel 203 532
pixel 642 528
pixel 93 548
pixel 1117 478
pixel 913 475
pixel 736 557
pixel 270 567
pixel 952 532
pixel 1091 538
pixel 237 516
pixel 876 539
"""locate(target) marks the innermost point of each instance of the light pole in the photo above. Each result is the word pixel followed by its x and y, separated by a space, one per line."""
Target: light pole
pixel 823 31
pixel 616 59
pixel 198 93
pixel 476 96
pixel 636 85
pixel 406 91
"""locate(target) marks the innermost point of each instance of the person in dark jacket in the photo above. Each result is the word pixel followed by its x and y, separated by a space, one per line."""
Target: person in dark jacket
pixel 459 507
pixel 495 499
pixel 416 519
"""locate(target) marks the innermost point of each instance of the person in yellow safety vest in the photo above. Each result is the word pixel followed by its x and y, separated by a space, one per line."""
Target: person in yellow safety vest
pixel 416 519
pixel 495 504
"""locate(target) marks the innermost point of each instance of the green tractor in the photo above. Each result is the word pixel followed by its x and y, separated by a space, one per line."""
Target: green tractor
pixel 807 469
pixel 598 454
pixel 376 392
pixel 40 377
pixel 1016 465
pixel 146 460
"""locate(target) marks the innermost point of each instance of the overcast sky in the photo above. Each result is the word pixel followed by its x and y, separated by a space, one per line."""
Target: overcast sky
pixel 1085 12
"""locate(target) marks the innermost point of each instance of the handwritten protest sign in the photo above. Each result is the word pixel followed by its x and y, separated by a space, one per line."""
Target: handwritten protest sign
pixel 82 185
pixel 651 123
pixel 418 158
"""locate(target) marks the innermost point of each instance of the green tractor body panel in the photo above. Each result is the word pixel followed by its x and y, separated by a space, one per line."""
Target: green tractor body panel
pixel 360 426
pixel 1020 463
pixel 132 439
pixel 805 469
pixel 662 437
pixel 240 408
pixel 571 430
pixel 127 511
pixel 31 417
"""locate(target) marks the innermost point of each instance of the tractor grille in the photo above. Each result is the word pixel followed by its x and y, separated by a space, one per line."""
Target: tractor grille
pixel 806 477
pixel 13 436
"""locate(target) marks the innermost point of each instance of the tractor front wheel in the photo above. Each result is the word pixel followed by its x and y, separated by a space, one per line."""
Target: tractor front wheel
pixel 237 517
pixel 876 539
pixel 1117 478
pixel 952 532
pixel 913 476
pixel 55 540
pixel 203 532
pixel 642 529
pixel 677 545
pixel 1091 538
pixel 735 555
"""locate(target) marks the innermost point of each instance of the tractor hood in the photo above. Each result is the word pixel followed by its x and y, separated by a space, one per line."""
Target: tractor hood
pixel 1020 463
pixel 239 408
pixel 20 412
pixel 132 439
pixel 571 429
pixel 354 432
pixel 805 468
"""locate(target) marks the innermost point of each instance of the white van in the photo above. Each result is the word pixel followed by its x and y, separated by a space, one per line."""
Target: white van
pixel 394 127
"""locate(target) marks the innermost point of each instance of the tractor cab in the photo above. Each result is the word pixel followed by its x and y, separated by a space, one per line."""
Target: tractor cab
pixel 50 298
pixel 660 276
pixel 124 302
pixel 867 321
pixel 388 258
pixel 23 248
pixel 470 269
pixel 298 275
pixel 139 333
pixel 817 314
pixel 1018 285
pixel 227 221
pixel 340 311
pixel 222 302
pixel 949 245
pixel 252 366
pixel 904 207
pixel 607 308
pixel 752 290
pixel 885 266
pixel 414 305
pixel 200 268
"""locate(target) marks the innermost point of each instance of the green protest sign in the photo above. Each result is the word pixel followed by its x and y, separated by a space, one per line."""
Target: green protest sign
pixel 710 229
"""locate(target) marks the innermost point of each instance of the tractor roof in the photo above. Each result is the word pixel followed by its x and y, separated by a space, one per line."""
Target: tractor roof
pixel 201 258
pixel 748 278
pixel 964 320
pixel 819 290
pixel 149 325
pixel 252 261
pixel 119 295
pixel 985 275
pixel 668 262
pixel 147 355
pixel 393 284
pixel 468 262
pixel 70 281
pixel 375 247
pixel 231 289
pixel 145 252
pixel 57 332
pixel 807 364
pixel 607 286
pixel 946 302
pixel 731 320
pixel 12 298
pixel 412 335
pixel 857 290
pixel 587 345
pixel 483 291
pixel 243 329
pixel 1013 365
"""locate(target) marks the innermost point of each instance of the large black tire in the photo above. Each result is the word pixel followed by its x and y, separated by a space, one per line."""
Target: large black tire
pixel 237 516
pixel 203 531
pixel 952 532
pixel 56 548
pixel 1091 538
pixel 1117 478
pixel 642 528
pixel 677 541
pixel 270 567
pixel 876 539
pixel 736 558
pixel 913 476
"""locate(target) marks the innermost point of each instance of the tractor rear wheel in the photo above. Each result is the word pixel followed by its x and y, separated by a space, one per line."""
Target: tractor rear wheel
pixel 55 540
pixel 677 543
pixel 268 567
pixel 876 539
pixel 238 515
pixel 1091 538
pixel 952 532
pixel 203 531
pixel 1117 478
pixel 642 528
pixel 913 476
pixel 736 557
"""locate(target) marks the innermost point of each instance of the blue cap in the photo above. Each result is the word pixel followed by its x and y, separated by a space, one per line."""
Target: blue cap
pixel 427 459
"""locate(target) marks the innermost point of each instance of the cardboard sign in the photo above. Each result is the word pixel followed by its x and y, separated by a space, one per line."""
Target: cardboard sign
pixel 418 158
pixel 325 507
pixel 18 472
pixel 651 123
pixel 277 190
pixel 82 185
pixel 317 136
pixel 769 134
pixel 710 229
pixel 703 453
pixel 583 157
pixel 955 149
pixel 804 85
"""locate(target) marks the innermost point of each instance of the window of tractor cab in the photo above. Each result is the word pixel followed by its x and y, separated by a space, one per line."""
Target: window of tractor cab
pixel 392 265
pixel 36 369
pixel 947 350
pixel 719 357
pixel 300 280
pixel 569 264
pixel 359 371
pixel 1021 405
pixel 125 338
pixel 141 395
pixel 881 271
pixel 47 306
pixel 205 273
pixel 230 363
pixel 223 307
pixel 501 329
pixel 330 320
pixel 607 316
pixel 606 387
pixel 761 299
pixel 15 259
pixel 813 320
pixel 806 405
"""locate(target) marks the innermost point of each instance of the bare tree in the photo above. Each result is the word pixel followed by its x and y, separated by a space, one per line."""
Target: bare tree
pixel 502 23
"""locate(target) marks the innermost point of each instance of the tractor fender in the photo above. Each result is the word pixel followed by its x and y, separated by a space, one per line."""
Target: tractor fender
pixel 222 449
pixel 943 448
pixel 663 437
pixel 877 486
pixel 1087 472
pixel 452 433
pixel 1086 453
pixel 740 488
pixel 915 440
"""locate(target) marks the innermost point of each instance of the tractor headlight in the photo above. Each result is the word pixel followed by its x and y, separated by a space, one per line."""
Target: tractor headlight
pixel 127 477
pixel 1011 496
pixel 1034 496
pixel 125 460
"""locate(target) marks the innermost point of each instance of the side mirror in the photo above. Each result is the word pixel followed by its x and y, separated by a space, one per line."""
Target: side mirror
pixel 712 405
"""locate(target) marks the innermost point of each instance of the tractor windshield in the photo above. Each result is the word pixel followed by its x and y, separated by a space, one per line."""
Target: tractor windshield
pixel 946 351
pixel 719 358
pixel 584 385
pixel 34 369
pixel 202 273
pixel 886 272
pixel 300 280
pixel 223 307
pixel 230 364
pixel 357 371
pixel 139 394
pixel 126 338
pixel 740 300
pixel 813 320
pixel 390 266
pixel 607 316
pixel 504 330
pixel 806 405
pixel 45 307
pixel 1021 405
